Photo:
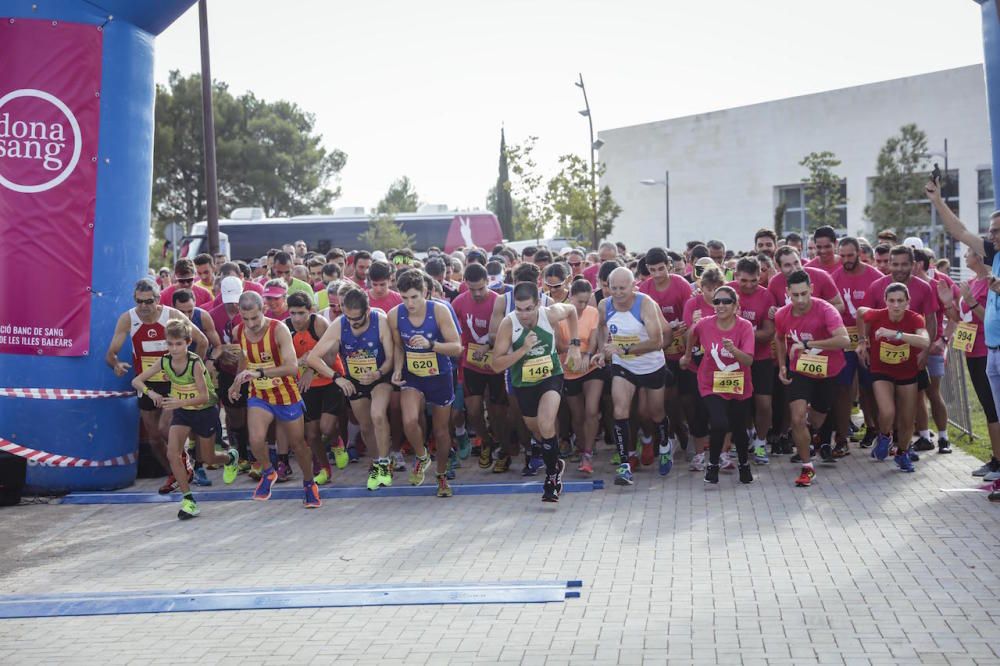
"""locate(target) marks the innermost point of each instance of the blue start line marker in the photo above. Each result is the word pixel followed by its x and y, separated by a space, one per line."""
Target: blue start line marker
pixel 294 492
pixel 187 601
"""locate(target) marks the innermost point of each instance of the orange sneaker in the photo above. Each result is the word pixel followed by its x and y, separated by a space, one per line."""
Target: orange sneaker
pixel 806 477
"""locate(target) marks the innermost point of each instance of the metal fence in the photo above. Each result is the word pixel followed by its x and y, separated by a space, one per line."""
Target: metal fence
pixel 955 391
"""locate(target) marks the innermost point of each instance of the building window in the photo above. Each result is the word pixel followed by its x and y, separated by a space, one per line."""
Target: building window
pixel 797 213
pixel 987 201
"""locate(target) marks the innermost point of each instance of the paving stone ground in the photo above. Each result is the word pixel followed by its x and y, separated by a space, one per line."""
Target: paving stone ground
pixel 869 566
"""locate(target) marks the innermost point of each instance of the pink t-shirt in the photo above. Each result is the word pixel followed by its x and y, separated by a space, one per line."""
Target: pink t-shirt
pixel 697 302
pixel 590 272
pixel 387 302
pixel 202 296
pixel 829 268
pixel 717 359
pixel 818 323
pixel 852 288
pixel 980 288
pixel 671 301
pixel 822 284
pixel 475 320
pixel 923 297
pixel 956 296
pixel 754 308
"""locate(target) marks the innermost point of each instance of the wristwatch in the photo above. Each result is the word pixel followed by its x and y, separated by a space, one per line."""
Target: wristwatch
pixel 899 335
pixel 575 342
pixel 260 373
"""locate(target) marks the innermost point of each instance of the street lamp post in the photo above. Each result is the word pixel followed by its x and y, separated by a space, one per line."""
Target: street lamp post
pixel 208 130
pixel 594 146
pixel 666 189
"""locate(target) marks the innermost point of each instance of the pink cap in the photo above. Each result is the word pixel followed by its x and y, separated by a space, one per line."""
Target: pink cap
pixel 275 292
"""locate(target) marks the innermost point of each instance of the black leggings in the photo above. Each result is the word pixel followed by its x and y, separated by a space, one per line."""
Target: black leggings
pixel 725 416
pixel 977 373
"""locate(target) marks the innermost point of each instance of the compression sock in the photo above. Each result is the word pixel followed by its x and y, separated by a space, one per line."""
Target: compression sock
pixel 621 435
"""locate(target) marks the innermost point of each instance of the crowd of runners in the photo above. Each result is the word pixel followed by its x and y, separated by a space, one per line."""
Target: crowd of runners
pixel 718 359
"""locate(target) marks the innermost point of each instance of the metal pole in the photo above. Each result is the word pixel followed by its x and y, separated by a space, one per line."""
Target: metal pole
pixel 593 170
pixel 944 240
pixel 208 127
pixel 666 188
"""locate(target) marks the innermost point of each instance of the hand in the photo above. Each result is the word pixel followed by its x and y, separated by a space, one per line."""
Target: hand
pixel 530 340
pixel 885 333
pixel 613 350
pixel 244 377
pixel 685 361
pixel 944 293
pixel 121 368
pixel 728 345
pixel 480 356
pixel 304 381
pixel 783 376
pixel 169 403
pixel 994 285
pixel 966 291
pixel 922 359
pixel 156 398
pixel 370 377
pixel 397 377
pixel 937 347
pixel 933 193
pixel 771 311
pixel 797 346
pixel 681 329
pixel 346 386
pixel 420 342
pixel 573 358
pixel 862 352
pixel 597 361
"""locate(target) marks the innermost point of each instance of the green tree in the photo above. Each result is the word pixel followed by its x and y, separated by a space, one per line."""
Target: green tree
pixel 534 213
pixel 504 203
pixel 822 190
pixel 384 233
pixel 400 198
pixel 491 205
pixel 779 219
pixel 569 197
pixel 268 155
pixel 900 174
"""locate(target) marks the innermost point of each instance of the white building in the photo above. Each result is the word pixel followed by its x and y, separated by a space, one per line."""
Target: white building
pixel 729 170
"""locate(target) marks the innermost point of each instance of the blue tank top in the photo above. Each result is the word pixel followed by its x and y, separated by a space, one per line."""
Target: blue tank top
pixel 357 351
pixel 196 320
pixel 454 317
pixel 429 329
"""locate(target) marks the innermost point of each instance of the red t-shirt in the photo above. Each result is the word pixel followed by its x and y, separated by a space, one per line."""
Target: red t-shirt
pixel 717 359
pixel 754 308
pixel 590 272
pixel 853 288
pixel 818 323
pixel 387 302
pixel 829 268
pixel 980 288
pixel 888 357
pixel 671 302
pixel 475 320
pixel 202 296
pixel 822 284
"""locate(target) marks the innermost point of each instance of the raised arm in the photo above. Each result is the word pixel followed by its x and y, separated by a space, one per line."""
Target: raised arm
pixel 950 221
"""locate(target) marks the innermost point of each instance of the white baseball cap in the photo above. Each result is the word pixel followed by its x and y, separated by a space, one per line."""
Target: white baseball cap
pixel 378 255
pixel 914 243
pixel 232 288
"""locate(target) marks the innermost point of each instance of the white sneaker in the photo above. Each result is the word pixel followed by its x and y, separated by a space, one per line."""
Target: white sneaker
pixel 727 462
pixel 397 461
pixel 698 463
pixel 992 476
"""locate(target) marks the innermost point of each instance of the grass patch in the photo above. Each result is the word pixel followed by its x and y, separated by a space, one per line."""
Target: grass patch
pixel 980 446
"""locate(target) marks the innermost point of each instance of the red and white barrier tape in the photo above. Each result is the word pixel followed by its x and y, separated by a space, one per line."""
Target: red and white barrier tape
pixel 62 394
pixel 34 456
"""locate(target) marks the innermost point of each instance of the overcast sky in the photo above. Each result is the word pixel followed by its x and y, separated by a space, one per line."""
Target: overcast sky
pixel 421 88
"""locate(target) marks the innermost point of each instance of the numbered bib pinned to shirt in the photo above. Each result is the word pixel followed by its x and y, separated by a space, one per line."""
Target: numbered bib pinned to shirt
pixel 813 365
pixel 358 366
pixel 852 333
pixel 625 342
pixel 965 336
pixel 149 362
pixel 536 369
pixel 731 383
pixel 479 355
pixel 422 364
pixel 893 354
pixel 676 345
pixel 263 383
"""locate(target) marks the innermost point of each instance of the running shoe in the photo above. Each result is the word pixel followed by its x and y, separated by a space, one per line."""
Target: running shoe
pixel 312 500
pixel 698 463
pixel 232 468
pixel 324 475
pixel 624 476
pixel 841 451
pixel 373 475
pixel 881 449
pixel 200 477
pixel 385 475
pixel 616 459
pixel 777 448
pixel 666 458
pixel 728 464
pixel 464 445
pixel 711 473
pixel 787 446
pixel 169 486
pixel 806 477
pixel 870 436
pixel 267 479
pixel 477 447
pixel 549 493
pixel 826 453
pixel 397 461
pixel 189 509
pixel 994 496
pixel 284 471
pixel 254 472
pixel 903 462
pixel 633 461
pixel 648 454
pixel 352 454
pixel 536 463
pixel 245 466
pixel 760 455
pixel 992 476
pixel 944 446
pixel 914 456
pixel 992 466
pixel 565 448
pixel 502 465
pixel 560 468
pixel 340 456
pixel 444 490
pixel 420 466
pixel 923 444
pixel 485 456
pixel 746 476
pixel 586 464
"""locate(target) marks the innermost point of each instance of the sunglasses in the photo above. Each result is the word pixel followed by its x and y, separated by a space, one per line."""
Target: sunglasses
pixel 145 301
pixel 574 264
pixel 360 317
pixel 723 301
pixel 553 286
pixel 187 280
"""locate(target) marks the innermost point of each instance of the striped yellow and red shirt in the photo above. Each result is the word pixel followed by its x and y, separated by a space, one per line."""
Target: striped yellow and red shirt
pixel 265 354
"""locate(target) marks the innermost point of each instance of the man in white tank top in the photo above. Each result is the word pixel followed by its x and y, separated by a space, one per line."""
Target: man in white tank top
pixel 632 340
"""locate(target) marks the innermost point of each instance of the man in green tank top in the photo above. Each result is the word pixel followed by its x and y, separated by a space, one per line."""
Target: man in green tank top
pixel 526 345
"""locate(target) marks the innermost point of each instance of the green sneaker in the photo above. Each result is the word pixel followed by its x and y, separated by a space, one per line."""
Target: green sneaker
pixel 373 477
pixel 340 457
pixel 419 470
pixel 322 478
pixel 189 509
pixel 385 475
pixel 232 468
pixel 616 460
